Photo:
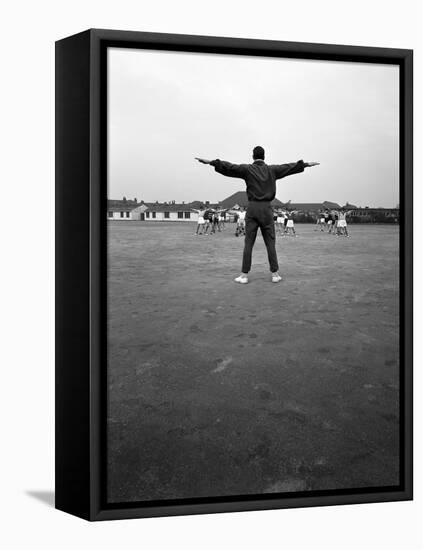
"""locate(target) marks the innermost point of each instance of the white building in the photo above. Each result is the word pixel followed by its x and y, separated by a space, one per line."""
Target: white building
pixel 125 209
pixel 170 212
pixel 155 211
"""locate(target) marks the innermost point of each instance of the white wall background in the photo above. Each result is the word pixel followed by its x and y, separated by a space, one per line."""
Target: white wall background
pixel 29 30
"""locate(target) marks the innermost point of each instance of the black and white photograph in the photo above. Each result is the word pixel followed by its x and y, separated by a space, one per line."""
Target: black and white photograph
pixel 210 302
pixel 253 276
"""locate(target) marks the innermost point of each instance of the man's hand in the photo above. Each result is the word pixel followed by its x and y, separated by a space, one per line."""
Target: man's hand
pixel 203 161
pixel 310 164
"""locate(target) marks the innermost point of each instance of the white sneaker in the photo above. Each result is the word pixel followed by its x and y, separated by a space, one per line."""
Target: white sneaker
pixel 243 279
pixel 276 278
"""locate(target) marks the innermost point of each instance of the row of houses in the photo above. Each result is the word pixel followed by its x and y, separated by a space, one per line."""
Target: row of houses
pixel 182 212
pixel 145 211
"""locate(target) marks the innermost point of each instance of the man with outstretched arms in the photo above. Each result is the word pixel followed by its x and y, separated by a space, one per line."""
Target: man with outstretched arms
pixel 260 179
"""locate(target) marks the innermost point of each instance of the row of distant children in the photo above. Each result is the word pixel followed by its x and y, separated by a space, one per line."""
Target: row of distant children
pixel 213 220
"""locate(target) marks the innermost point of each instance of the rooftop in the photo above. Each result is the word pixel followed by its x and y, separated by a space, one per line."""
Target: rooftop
pixel 240 198
pixel 312 206
pixel 169 206
pixel 124 204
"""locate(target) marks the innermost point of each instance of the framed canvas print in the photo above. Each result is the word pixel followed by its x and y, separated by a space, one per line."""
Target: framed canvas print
pixel 234 287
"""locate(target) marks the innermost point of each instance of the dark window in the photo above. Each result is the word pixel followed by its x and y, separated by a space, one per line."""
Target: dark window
pixel 127 214
pixel 187 215
pixel 147 214
pixel 167 214
pixel 110 214
pixel 121 214
pixel 154 214
pixel 180 215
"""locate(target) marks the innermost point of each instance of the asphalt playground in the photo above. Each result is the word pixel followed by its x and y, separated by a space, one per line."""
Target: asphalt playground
pixel 217 389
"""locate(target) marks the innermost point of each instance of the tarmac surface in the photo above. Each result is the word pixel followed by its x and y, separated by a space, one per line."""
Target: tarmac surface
pixel 218 389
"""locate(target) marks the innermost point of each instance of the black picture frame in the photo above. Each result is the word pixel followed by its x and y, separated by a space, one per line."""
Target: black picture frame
pixel 81 179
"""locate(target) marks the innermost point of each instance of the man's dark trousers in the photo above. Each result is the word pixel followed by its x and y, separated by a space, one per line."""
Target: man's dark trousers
pixel 259 214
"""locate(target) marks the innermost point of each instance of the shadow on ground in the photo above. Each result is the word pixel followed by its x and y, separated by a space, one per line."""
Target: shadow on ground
pixel 46 497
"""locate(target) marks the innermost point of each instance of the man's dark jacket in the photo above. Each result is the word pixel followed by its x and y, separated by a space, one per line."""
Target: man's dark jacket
pixel 259 176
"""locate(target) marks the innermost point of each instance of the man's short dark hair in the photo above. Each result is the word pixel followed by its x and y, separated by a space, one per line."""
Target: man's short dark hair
pixel 258 153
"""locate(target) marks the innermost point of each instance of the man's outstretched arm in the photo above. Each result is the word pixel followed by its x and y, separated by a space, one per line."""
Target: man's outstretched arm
pixel 284 170
pixel 225 168
pixel 203 161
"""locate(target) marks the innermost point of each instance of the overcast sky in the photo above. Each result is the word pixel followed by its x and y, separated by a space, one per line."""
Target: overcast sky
pixel 165 108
